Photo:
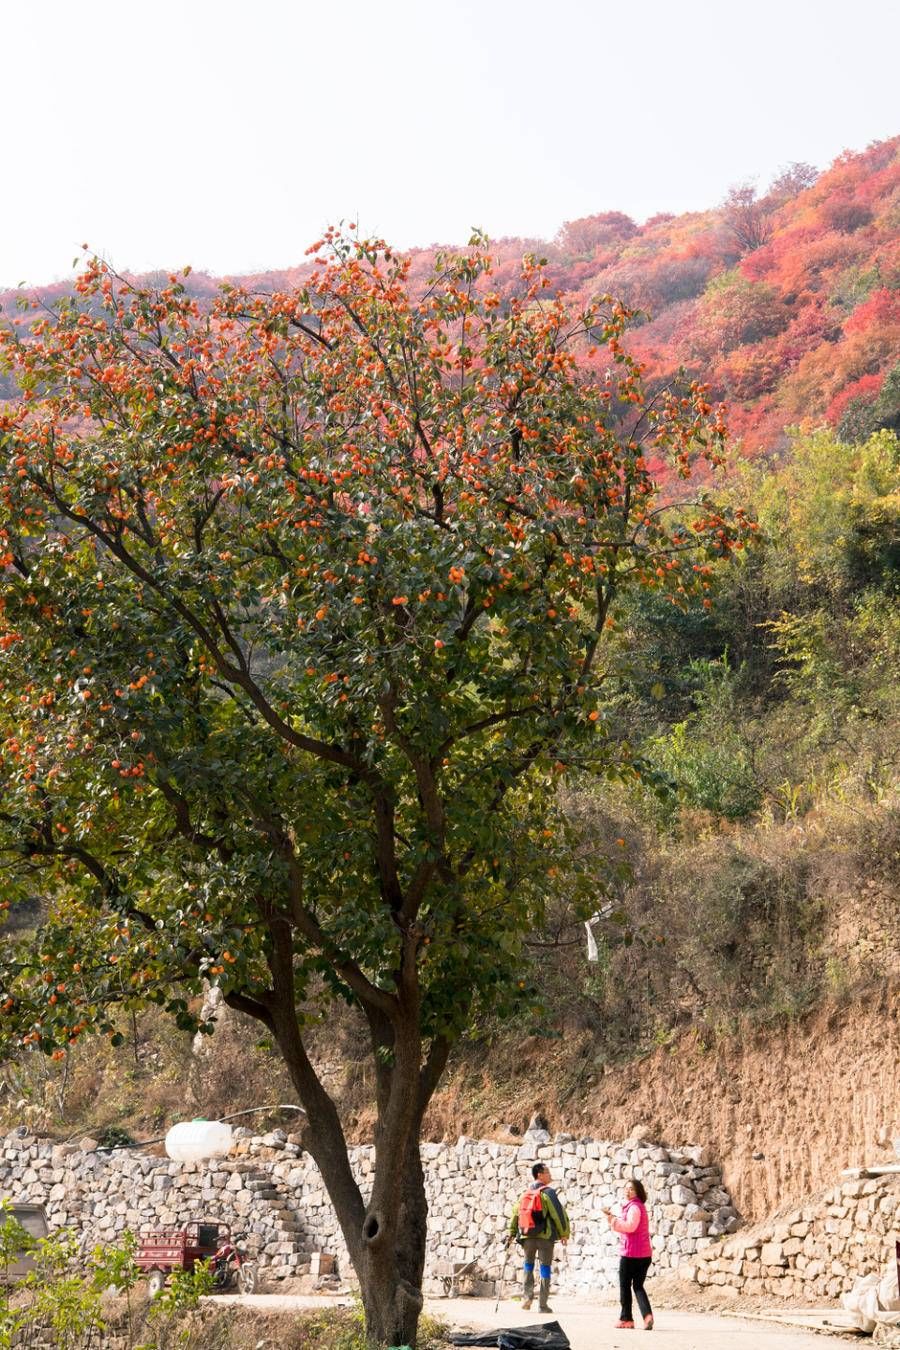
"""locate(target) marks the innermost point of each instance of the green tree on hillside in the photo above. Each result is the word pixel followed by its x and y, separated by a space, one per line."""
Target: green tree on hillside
pixel 788 677
pixel 308 601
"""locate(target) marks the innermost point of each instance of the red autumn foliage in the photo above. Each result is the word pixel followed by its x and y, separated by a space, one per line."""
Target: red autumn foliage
pixel 867 388
pixel 782 331
pixel 882 308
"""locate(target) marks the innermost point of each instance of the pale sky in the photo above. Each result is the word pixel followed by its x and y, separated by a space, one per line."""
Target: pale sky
pixel 226 135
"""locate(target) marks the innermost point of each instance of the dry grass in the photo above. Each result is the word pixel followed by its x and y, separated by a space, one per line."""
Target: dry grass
pixel 330 1329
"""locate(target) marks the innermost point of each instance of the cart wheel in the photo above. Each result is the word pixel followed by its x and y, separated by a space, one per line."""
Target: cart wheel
pixel 248 1278
pixel 221 1274
pixel 156 1282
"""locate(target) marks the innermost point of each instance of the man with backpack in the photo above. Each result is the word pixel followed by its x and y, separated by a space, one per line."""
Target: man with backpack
pixel 538 1221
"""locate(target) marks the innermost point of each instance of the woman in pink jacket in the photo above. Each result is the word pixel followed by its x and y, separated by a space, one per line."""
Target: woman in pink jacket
pixel 635 1253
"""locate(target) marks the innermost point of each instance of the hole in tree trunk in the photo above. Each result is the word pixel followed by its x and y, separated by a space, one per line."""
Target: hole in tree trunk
pixel 371 1227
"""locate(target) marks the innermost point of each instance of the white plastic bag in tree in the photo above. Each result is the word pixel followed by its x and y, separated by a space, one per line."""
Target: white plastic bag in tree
pixel 592 952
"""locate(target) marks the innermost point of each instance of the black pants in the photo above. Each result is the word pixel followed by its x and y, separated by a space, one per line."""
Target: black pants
pixel 632 1274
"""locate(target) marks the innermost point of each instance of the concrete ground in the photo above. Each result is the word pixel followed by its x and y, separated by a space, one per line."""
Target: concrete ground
pixel 589 1326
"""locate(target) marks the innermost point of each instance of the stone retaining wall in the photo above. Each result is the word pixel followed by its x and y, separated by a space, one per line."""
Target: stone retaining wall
pixel 811 1253
pixel 273 1192
pixel 101 1193
pixel 472 1187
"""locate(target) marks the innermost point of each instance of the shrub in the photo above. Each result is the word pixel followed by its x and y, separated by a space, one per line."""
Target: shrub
pixel 707 755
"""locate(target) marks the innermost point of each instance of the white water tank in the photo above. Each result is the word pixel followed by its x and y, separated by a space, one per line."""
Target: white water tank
pixel 194 1140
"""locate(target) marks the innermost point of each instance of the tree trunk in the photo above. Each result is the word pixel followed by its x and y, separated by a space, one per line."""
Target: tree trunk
pixel 386 1238
pixel 390 1273
pixel 391 1306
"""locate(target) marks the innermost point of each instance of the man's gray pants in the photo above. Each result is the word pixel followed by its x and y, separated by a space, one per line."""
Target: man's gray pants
pixel 542 1248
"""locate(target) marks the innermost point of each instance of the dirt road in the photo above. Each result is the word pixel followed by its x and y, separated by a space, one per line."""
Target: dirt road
pixel 589 1326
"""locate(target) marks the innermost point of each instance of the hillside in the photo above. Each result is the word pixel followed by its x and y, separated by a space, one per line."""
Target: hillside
pixel 786 302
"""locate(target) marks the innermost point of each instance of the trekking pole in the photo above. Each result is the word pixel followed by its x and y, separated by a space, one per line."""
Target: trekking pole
pixel 502 1278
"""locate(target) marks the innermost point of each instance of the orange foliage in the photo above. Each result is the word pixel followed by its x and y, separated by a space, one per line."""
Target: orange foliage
pixel 781 332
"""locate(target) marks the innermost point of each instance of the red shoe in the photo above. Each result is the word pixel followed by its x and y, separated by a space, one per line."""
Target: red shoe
pixel 648 1322
pixel 624 1326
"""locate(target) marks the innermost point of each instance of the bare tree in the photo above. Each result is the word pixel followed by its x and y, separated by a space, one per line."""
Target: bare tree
pixel 748 216
pixel 792 180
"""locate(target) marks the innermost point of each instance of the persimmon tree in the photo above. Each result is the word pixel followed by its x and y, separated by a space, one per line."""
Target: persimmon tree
pixel 308 601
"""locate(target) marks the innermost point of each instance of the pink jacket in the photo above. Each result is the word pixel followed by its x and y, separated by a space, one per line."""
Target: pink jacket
pixel 634 1227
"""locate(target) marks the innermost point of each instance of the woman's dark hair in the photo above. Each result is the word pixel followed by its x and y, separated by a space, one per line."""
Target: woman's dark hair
pixel 640 1190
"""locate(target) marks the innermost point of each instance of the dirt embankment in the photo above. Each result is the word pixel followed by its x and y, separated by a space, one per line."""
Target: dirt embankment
pixel 811 1097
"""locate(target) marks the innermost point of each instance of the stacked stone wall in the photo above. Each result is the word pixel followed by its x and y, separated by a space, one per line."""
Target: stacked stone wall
pixel 811 1253
pixel 100 1194
pixel 273 1192
pixel 473 1187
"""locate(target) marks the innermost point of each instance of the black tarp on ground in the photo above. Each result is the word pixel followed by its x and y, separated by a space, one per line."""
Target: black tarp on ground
pixel 541 1336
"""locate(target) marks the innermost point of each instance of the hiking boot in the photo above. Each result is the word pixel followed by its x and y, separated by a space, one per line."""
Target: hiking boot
pixel 526 1302
pixel 624 1326
pixel 648 1322
pixel 543 1305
